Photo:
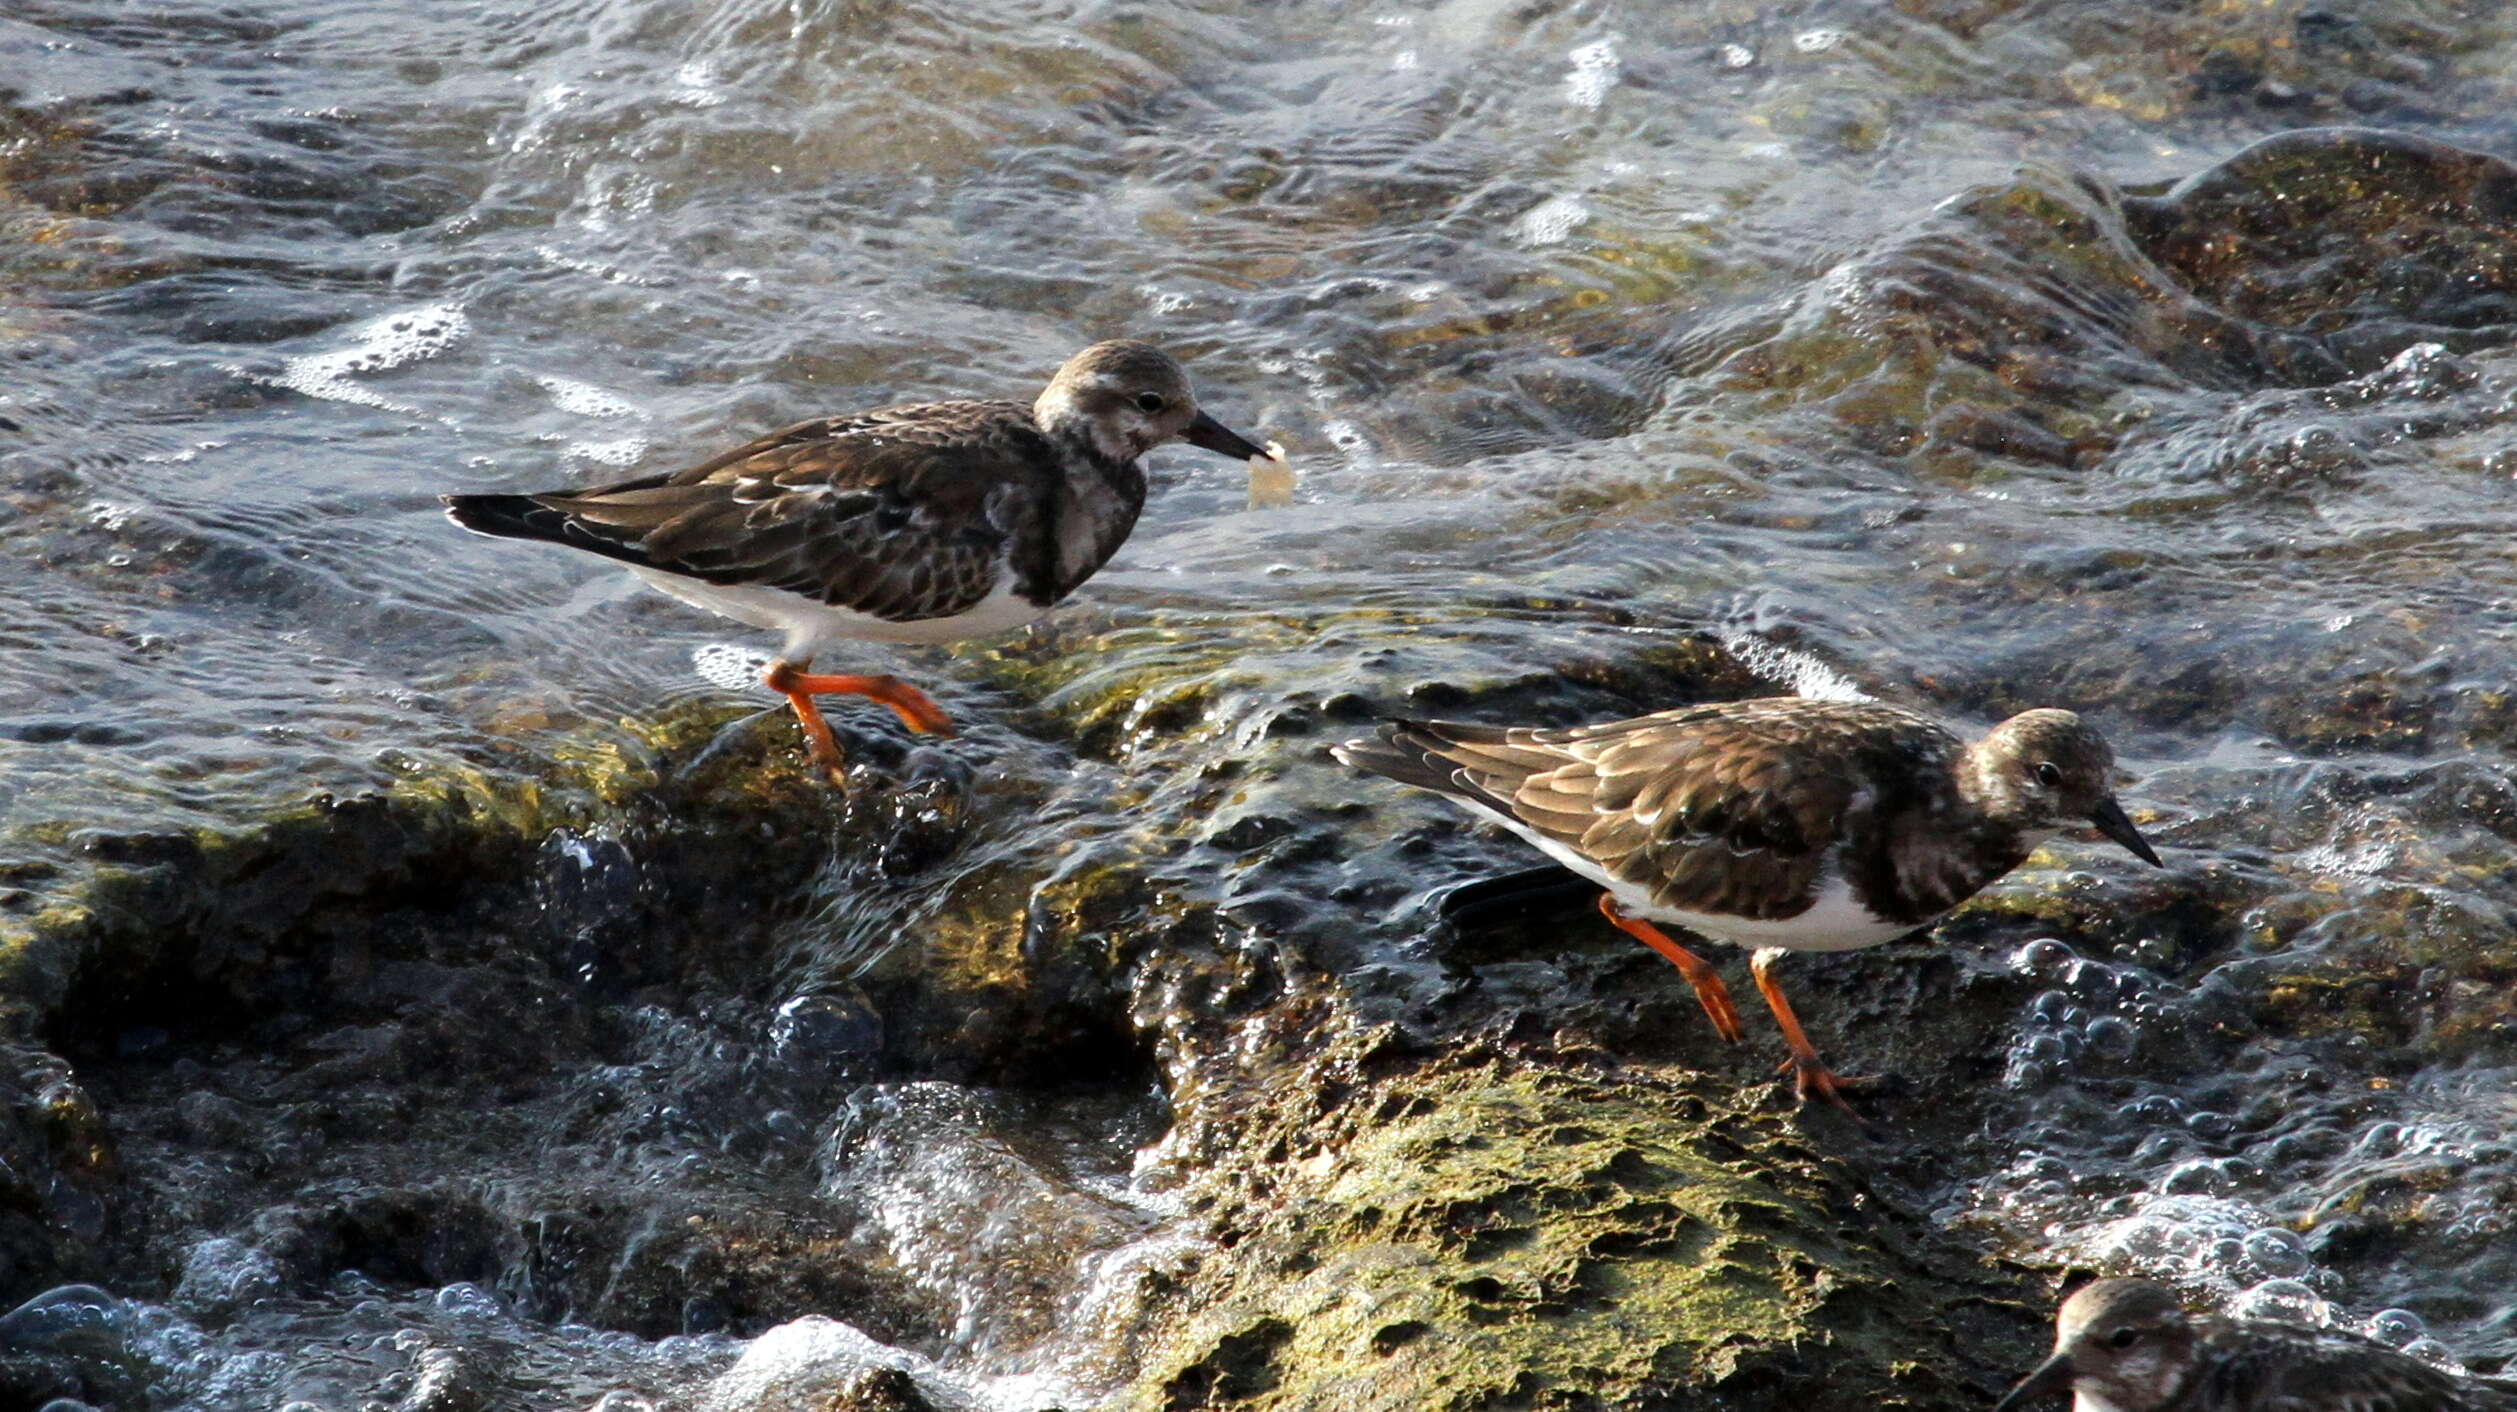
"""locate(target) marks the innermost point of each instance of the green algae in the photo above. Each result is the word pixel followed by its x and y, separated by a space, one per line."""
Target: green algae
pixel 1519 1228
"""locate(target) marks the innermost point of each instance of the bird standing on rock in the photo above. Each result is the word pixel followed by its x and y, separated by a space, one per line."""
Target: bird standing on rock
pixel 2128 1346
pixel 924 523
pixel 1780 824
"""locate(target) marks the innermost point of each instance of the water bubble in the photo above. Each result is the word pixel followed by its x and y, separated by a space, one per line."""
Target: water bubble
pixel 2209 1125
pixel 2285 1301
pixel 2278 1253
pixel 2111 1038
pixel 821 1029
pixel 2037 1167
pixel 2152 1109
pixel 2396 1327
pixel 222 1275
pixel 2222 1254
pixel 2200 1176
pixel 621 1400
pixel 61 1317
pixel 2435 1353
pixel 2157 1148
pixel 466 1300
pixel 2042 957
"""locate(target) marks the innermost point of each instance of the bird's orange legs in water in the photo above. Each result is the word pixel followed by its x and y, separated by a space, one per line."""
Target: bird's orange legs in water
pixel 1699 973
pixel 1809 1077
pixel 800 687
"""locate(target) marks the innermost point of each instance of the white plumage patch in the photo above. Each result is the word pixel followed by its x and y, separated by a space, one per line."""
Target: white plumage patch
pixel 1835 920
pixel 812 628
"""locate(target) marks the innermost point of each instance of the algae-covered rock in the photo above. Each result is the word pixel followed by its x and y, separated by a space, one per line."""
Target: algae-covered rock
pixel 1509 1226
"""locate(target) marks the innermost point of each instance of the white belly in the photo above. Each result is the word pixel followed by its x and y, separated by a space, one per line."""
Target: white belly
pixel 812 627
pixel 1834 921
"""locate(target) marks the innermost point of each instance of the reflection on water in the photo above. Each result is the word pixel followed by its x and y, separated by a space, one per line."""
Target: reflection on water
pixel 1832 331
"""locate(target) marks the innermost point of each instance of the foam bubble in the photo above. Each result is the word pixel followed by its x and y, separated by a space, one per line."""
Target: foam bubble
pixel 618 452
pixel 584 399
pixel 2283 1301
pixel 378 345
pixel 1550 221
pixel 1803 674
pixel 723 664
pixel 1595 70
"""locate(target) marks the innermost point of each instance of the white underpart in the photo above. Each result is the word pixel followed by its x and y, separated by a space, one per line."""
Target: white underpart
pixel 812 628
pixel 1835 920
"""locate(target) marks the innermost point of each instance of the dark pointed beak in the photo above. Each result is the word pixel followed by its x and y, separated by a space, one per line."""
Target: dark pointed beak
pixel 1207 434
pixel 2111 821
pixel 2052 1377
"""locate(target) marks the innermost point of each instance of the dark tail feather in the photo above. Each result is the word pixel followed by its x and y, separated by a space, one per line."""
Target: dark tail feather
pixel 527 517
pixel 1386 754
pixel 507 516
pixel 1528 895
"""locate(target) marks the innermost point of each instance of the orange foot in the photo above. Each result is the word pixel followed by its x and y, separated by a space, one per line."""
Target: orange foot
pixel 1709 989
pixel 1810 1078
pixel 799 688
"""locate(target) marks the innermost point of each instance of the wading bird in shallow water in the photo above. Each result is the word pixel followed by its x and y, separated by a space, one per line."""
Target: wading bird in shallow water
pixel 925 523
pixel 2126 1346
pixel 1780 824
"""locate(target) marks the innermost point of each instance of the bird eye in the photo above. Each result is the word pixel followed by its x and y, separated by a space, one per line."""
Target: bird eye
pixel 2048 773
pixel 2121 1338
pixel 1149 401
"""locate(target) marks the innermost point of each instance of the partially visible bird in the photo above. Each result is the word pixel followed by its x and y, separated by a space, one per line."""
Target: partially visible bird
pixel 1780 824
pixel 924 523
pixel 2128 1346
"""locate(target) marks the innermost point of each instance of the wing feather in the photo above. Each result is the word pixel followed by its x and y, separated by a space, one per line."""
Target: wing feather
pixel 1731 809
pixel 901 513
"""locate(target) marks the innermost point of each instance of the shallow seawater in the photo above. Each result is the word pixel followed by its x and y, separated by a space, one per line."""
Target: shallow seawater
pixel 1880 344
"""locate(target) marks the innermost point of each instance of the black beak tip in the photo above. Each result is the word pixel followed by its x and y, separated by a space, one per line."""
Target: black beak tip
pixel 1207 434
pixel 2115 824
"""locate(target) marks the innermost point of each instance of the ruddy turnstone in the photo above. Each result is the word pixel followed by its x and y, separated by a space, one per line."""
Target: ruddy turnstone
pixel 2126 1346
pixel 924 523
pixel 1780 824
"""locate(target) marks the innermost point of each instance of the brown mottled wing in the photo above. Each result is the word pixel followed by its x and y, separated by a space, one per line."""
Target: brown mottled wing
pixel 1728 809
pixel 902 513
pixel 2269 1369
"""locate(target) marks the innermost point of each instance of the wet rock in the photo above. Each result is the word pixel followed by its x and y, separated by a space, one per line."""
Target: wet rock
pixel 1501 1224
pixel 2384 239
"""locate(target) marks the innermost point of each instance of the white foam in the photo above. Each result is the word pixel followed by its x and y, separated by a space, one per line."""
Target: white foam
pixel 1803 674
pixel 1550 221
pixel 723 664
pixel 1595 70
pixel 620 451
pixel 378 345
pixel 584 399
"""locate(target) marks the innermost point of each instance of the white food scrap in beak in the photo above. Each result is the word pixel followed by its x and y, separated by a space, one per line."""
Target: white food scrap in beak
pixel 1271 479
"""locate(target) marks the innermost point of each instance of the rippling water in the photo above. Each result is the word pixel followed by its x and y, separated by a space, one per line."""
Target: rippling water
pixel 1877 342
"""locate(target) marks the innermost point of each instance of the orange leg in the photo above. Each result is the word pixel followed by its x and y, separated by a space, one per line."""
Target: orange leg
pixel 1699 973
pixel 799 688
pixel 1809 1077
